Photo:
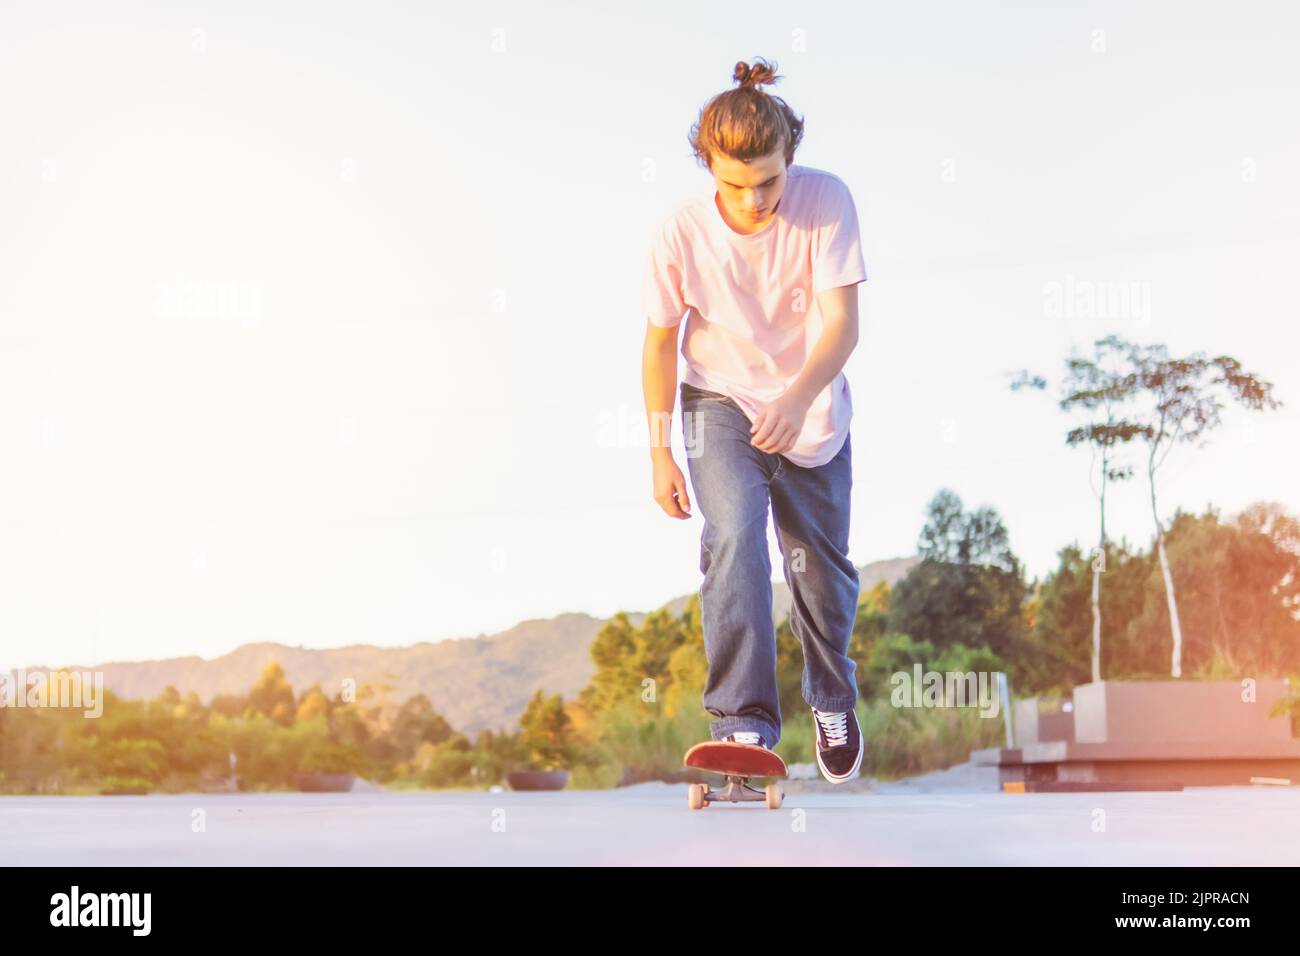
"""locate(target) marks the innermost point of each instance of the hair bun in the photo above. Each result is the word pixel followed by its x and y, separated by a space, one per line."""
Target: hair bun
pixel 752 77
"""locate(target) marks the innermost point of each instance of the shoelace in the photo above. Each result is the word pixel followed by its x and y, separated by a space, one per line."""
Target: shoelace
pixel 835 727
pixel 746 737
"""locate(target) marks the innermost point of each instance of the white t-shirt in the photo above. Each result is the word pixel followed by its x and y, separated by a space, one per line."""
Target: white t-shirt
pixel 750 301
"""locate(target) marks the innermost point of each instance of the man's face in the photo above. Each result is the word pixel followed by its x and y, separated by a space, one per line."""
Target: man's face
pixel 750 190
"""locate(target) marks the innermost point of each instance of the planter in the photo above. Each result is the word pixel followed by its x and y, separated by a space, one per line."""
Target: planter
pixel 1174 712
pixel 1038 721
pixel 1154 735
pixel 323 782
pixel 125 788
pixel 537 779
pixel 635 775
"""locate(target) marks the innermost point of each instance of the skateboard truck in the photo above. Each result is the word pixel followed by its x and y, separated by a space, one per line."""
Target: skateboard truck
pixel 738 789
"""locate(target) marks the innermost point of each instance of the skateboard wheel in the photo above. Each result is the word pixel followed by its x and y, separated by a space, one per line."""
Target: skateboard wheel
pixel 695 796
pixel 773 796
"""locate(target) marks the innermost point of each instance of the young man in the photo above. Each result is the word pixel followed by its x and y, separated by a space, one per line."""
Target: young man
pixel 765 270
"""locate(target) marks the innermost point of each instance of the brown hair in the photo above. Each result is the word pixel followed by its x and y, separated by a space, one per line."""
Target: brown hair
pixel 746 123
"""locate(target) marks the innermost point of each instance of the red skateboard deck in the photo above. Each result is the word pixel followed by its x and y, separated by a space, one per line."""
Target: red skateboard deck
pixel 736 762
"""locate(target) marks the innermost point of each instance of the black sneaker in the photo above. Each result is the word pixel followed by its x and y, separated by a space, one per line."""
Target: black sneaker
pixel 839 744
pixel 748 737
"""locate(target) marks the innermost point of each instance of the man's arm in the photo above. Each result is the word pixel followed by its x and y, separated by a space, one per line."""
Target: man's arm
pixel 778 425
pixel 659 380
pixel 839 309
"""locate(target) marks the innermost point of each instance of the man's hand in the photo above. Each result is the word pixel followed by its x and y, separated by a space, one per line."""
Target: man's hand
pixel 779 423
pixel 670 487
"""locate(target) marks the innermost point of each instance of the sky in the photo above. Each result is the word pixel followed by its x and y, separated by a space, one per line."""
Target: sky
pixel 320 322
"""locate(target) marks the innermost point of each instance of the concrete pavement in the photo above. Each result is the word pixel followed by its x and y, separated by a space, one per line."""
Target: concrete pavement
pixel 650 824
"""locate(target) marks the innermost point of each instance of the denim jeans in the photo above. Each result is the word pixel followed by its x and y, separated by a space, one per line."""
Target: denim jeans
pixel 733 483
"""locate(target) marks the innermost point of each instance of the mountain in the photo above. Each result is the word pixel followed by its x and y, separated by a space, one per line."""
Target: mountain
pixel 869 575
pixel 477 683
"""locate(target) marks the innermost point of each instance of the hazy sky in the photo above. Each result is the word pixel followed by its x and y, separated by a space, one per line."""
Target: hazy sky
pixel 319 322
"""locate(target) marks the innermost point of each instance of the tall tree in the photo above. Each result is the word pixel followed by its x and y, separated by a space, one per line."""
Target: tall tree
pixel 1098 387
pixel 1183 405
pixel 1060 632
pixel 272 695
pixel 968 588
pixel 632 659
pixel 545 732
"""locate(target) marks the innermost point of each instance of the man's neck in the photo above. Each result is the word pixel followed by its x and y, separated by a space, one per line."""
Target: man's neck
pixel 746 228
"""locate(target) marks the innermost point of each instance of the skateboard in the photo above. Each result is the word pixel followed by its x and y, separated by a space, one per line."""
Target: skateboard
pixel 736 762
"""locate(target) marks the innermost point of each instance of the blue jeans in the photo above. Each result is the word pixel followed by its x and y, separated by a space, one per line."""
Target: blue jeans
pixel 733 482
